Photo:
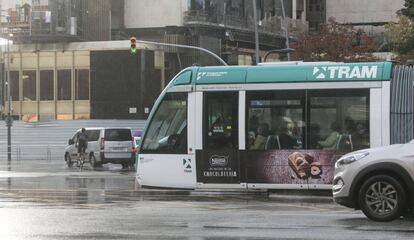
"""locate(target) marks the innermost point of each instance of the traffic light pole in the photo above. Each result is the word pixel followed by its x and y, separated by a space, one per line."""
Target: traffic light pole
pixel 9 98
pixel 186 46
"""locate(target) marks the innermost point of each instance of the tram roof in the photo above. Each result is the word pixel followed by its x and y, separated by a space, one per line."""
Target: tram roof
pixel 286 72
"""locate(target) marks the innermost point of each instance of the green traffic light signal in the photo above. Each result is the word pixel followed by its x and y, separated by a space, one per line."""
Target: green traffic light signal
pixel 133 45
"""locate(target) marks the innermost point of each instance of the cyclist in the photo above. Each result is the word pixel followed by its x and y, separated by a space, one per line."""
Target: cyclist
pixel 82 142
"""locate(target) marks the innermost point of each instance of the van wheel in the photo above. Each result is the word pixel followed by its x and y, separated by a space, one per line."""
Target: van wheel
pixel 382 198
pixel 68 160
pixel 124 165
pixel 92 161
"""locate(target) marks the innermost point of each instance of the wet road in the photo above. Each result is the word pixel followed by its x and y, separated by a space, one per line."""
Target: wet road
pixel 47 200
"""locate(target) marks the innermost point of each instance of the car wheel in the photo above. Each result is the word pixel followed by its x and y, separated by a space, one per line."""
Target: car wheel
pixel 68 160
pixel 92 161
pixel 131 163
pixel 382 198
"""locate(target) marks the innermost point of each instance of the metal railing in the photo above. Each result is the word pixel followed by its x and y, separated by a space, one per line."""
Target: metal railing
pixel 34 153
pixel 273 24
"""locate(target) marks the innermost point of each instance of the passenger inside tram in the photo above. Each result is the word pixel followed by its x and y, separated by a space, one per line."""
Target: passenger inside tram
pixel 332 139
pixel 261 138
pixel 286 138
pixel 315 135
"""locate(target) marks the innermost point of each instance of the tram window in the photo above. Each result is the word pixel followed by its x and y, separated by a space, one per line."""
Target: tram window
pixel 221 120
pixel 167 132
pixel 275 120
pixel 339 119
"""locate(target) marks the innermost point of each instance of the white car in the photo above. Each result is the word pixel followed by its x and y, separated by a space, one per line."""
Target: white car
pixel 105 145
pixel 379 181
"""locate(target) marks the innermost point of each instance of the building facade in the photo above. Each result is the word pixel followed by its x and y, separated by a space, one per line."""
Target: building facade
pixel 225 27
pixel 370 15
pixel 42 21
pixel 85 80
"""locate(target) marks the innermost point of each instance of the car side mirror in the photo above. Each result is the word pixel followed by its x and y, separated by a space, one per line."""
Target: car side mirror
pixel 71 142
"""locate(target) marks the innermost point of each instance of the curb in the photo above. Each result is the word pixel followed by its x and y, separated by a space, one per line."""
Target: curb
pixel 285 198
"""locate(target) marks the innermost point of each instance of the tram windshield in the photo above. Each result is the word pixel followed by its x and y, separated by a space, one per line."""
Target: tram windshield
pixel 167 132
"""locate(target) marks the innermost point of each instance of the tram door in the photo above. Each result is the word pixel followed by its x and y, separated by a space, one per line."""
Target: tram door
pixel 218 163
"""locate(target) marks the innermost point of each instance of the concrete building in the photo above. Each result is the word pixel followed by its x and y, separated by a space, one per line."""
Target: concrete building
pixel 39 21
pixel 370 15
pixel 225 27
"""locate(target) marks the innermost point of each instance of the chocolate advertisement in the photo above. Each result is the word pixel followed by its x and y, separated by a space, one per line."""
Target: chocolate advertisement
pixel 218 167
pixel 291 166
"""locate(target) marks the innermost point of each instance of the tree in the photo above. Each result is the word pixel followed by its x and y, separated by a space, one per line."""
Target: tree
pixel 408 9
pixel 401 35
pixel 335 42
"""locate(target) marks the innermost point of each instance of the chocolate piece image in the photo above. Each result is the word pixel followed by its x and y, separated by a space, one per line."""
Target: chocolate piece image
pixel 315 169
pixel 309 158
pixel 299 164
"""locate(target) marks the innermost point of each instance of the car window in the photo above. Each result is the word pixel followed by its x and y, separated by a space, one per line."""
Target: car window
pixel 93 135
pixel 118 135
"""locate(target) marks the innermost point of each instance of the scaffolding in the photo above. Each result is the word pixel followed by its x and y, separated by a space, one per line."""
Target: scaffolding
pixel 47 21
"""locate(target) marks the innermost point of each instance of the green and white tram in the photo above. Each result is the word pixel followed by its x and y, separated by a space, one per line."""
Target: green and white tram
pixel 272 126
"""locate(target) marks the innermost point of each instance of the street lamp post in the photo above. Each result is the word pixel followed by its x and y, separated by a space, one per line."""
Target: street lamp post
pixel 286 28
pixel 256 32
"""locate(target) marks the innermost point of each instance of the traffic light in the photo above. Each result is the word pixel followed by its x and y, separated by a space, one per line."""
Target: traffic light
pixel 133 45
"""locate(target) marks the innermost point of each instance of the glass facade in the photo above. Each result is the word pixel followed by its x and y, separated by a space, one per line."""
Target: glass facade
pixel 46 85
pixel 29 85
pixel 82 84
pixel 14 85
pixel 64 84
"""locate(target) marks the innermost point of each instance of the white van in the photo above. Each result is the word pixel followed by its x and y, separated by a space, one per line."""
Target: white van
pixel 105 145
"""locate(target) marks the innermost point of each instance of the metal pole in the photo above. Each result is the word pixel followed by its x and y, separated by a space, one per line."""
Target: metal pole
pixel 8 120
pixel 256 32
pixel 286 28
pixel 185 46
pixel 142 83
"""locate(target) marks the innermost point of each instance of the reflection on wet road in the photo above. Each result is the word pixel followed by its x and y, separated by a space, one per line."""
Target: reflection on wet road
pixel 50 201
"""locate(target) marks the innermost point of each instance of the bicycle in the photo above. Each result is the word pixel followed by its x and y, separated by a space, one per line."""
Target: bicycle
pixel 81 160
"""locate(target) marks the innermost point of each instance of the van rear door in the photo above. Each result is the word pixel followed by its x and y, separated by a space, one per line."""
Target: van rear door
pixel 118 143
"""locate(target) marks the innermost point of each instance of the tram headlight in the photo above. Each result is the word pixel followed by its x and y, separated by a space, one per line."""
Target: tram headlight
pixel 348 159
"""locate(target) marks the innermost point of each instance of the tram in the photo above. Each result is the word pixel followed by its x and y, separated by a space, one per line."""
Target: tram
pixel 271 126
